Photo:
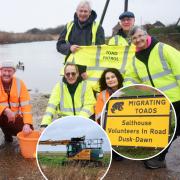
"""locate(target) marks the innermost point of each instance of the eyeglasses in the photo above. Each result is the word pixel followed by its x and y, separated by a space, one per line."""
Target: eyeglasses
pixel 70 74
pixel 126 19
pixel 134 39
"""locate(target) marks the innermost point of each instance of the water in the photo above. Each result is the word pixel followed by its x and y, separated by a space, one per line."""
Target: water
pixel 42 63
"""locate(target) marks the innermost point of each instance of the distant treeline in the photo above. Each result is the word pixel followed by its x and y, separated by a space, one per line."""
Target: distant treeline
pixel 169 35
pixel 31 35
pixel 53 31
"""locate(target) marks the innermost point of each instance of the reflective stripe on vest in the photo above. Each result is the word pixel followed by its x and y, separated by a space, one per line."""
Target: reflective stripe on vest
pixel 26 113
pixel 62 108
pixel 51 106
pixel 166 71
pixel 98 116
pixel 159 74
pixel 49 114
pixel 4 104
pixel 104 96
pixel 116 40
pixel 69 27
pixel 24 103
pixel 18 82
pixel 119 40
pixel 86 111
pixel 177 77
pixel 167 87
pixel 163 61
pixel 131 80
pixel 125 57
pixel 13 104
pixel 95 26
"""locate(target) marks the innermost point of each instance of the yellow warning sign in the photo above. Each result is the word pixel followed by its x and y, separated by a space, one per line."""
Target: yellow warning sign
pixel 139 106
pixel 138 131
pixel 142 122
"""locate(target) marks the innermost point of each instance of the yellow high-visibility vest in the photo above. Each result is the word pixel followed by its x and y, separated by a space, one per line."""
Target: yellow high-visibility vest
pixel 18 101
pixel 94 31
pixel 60 102
pixel 118 40
pixel 164 69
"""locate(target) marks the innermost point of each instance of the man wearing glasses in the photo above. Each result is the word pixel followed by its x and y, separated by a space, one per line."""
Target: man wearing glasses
pixel 127 20
pixel 71 96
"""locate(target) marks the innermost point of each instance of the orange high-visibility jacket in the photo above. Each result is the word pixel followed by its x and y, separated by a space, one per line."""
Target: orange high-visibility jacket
pixel 101 100
pixel 19 101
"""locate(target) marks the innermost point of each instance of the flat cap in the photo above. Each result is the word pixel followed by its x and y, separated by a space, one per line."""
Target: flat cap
pixel 126 14
pixel 8 64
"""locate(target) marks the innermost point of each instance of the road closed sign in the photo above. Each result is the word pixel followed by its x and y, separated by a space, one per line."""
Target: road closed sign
pixel 140 122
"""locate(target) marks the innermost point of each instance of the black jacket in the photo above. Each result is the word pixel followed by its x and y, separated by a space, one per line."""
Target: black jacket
pixel 81 34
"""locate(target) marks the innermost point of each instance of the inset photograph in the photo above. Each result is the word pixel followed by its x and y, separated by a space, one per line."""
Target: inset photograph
pixel 76 147
pixel 140 122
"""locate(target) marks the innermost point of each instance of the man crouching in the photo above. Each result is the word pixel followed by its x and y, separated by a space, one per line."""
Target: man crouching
pixel 15 108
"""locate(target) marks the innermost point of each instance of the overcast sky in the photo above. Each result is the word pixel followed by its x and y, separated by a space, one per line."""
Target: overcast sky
pixel 21 15
pixel 73 126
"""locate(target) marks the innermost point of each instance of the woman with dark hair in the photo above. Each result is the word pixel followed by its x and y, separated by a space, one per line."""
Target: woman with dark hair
pixel 110 81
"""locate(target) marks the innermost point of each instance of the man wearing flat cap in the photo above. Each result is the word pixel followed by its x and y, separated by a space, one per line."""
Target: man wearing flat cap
pixel 126 22
pixel 15 108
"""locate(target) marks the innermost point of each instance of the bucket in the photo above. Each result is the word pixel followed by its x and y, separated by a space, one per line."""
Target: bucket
pixel 28 143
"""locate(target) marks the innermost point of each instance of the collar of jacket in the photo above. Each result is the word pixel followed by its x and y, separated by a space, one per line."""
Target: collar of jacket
pixel 111 91
pixel 72 87
pixel 154 41
pixel 122 33
pixel 7 86
pixel 88 22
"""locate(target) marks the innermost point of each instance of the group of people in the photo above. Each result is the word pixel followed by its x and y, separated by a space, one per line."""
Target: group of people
pixel 155 63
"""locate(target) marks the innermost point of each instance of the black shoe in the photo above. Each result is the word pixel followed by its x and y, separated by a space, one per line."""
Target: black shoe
pixel 117 157
pixel 8 138
pixel 155 163
pixel 120 158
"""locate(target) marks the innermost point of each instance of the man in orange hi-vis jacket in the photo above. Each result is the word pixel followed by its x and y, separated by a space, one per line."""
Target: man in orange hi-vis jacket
pixel 15 108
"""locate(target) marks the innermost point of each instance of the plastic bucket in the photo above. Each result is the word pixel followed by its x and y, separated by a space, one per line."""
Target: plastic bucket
pixel 28 143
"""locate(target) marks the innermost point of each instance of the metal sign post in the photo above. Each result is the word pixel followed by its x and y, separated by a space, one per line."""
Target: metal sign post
pixel 104 11
pixel 126 5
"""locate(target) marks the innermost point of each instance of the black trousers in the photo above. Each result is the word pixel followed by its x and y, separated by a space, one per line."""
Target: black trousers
pixel 10 128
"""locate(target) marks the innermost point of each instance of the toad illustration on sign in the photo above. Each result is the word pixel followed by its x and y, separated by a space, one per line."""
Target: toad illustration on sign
pixel 117 106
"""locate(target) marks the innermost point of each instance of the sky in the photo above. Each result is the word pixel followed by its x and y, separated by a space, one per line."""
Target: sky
pixel 22 15
pixel 73 126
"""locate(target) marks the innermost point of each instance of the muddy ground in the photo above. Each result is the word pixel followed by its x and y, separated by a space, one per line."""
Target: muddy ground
pixel 135 170
pixel 14 166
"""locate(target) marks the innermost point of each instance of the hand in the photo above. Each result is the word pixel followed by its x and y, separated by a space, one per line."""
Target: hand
pixel 10 115
pixel 74 48
pixel 84 75
pixel 27 129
